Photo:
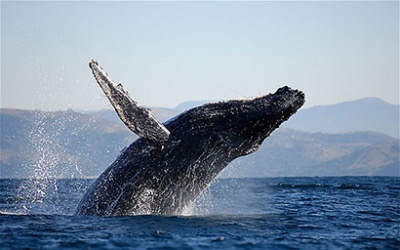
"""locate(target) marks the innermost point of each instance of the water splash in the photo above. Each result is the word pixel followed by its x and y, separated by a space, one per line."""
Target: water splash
pixel 203 204
pixel 49 161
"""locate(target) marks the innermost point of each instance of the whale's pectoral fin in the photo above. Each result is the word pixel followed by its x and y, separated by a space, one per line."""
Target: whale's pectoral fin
pixel 136 118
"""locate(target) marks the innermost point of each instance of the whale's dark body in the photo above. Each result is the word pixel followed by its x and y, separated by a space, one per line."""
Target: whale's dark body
pixel 165 176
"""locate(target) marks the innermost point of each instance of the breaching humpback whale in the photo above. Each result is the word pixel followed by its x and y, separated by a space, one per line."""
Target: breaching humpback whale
pixel 170 164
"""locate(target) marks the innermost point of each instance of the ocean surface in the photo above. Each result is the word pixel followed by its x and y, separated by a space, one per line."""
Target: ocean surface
pixel 265 213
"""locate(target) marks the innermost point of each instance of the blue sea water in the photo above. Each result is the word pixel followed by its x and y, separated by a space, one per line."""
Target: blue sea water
pixel 265 213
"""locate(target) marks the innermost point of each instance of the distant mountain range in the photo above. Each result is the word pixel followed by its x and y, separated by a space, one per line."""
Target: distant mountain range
pixel 290 152
pixel 68 144
pixel 368 114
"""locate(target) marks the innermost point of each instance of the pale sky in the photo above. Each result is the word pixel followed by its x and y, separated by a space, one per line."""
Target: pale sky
pixel 166 53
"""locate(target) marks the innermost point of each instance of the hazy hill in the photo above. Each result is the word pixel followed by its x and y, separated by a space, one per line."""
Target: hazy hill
pixel 69 144
pixel 191 104
pixel 368 114
pixel 295 153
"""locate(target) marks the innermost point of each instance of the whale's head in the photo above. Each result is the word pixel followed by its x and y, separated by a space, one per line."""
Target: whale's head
pixel 249 122
pixel 237 127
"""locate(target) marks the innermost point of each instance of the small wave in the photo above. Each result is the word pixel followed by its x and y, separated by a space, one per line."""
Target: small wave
pixel 288 185
pixel 355 186
pixel 13 213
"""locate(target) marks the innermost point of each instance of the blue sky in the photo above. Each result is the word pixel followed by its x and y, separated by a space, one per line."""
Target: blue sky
pixel 166 53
